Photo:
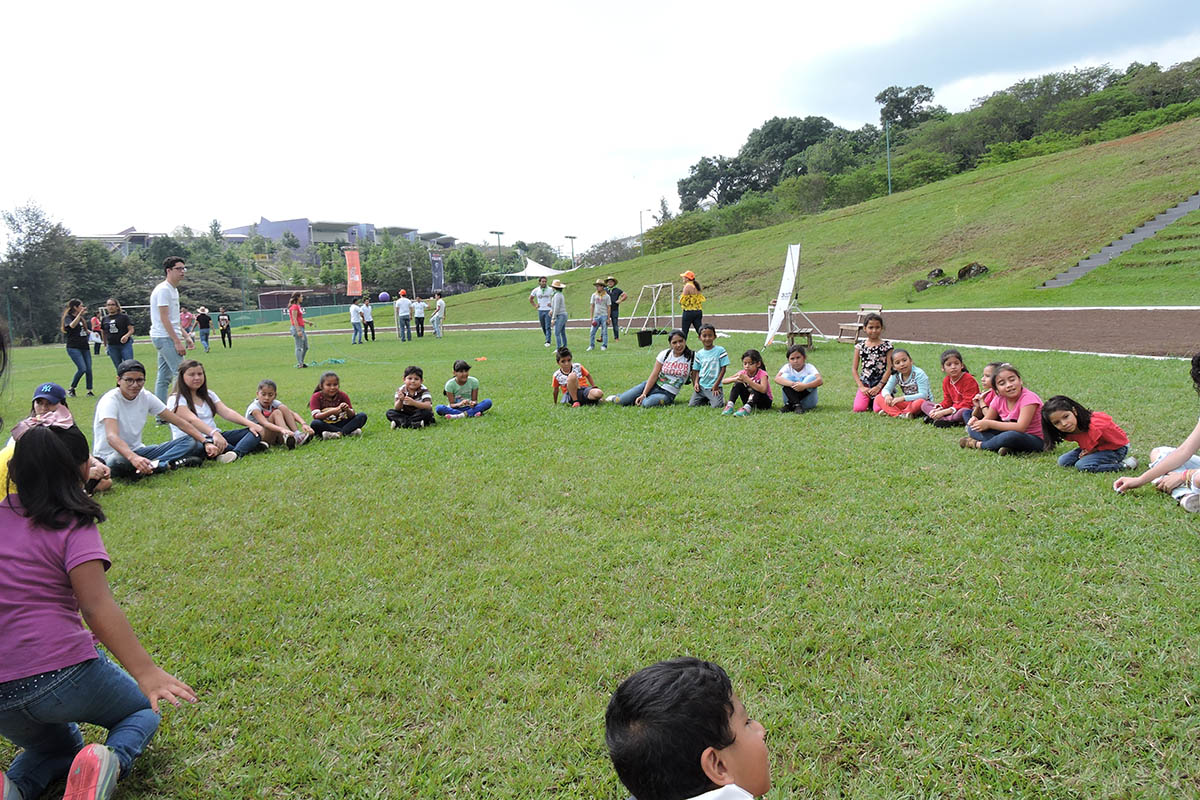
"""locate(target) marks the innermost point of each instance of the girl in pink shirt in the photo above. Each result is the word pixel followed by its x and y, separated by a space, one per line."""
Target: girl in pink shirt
pixel 1012 422
pixel 53 676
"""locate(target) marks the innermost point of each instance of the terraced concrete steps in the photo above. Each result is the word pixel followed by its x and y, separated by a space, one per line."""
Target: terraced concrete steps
pixel 1106 254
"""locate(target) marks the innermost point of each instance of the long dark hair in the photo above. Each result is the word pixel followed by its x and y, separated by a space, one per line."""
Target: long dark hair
pixel 687 351
pixel 185 393
pixel 45 467
pixel 1195 372
pixel 1061 402
pixel 321 381
pixel 953 353
pixel 74 302
pixel 757 356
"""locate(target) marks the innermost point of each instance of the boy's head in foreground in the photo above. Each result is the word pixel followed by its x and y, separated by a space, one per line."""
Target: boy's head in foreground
pixel 675 730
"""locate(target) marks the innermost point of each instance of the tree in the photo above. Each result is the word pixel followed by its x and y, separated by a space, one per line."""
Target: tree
pixel 906 108
pixel 701 182
pixel 664 212
pixel 289 240
pixel 608 252
pixel 214 231
pixel 38 251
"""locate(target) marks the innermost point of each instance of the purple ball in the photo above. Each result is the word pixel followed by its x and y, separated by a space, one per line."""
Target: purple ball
pixel 384 297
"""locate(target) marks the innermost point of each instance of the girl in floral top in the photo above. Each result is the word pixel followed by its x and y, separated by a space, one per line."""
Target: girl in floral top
pixel 872 363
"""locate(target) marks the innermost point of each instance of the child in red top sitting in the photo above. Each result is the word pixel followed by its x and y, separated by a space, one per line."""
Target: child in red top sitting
pixel 959 388
pixel 1103 446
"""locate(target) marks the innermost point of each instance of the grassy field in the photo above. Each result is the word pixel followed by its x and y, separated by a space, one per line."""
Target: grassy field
pixel 443 613
pixel 1027 221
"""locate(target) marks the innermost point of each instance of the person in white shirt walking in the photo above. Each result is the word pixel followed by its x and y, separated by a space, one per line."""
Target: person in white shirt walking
pixel 439 314
pixel 540 298
pixel 356 321
pixel 166 334
pixel 403 316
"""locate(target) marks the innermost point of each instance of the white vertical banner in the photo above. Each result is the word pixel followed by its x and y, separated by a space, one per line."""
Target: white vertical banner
pixel 786 286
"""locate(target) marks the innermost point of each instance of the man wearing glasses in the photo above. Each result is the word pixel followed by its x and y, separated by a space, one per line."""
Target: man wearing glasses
pixel 165 331
pixel 121 416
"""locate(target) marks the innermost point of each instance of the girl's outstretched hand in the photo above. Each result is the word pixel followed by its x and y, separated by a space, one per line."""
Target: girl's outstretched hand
pixel 1125 483
pixel 159 684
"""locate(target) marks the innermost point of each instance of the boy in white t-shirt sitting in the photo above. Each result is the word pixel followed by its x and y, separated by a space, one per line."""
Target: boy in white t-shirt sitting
pixel 120 419
pixel 799 381
pixel 676 730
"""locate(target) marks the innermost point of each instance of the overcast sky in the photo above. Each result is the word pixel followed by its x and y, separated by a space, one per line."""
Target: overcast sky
pixel 536 119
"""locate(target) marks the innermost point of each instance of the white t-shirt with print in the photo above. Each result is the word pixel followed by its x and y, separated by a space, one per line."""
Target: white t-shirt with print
pixel 675 370
pixel 543 295
pixel 806 375
pixel 418 308
pixel 130 416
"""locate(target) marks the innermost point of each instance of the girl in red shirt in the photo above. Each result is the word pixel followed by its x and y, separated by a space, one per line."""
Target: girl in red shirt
pixel 1103 446
pixel 959 388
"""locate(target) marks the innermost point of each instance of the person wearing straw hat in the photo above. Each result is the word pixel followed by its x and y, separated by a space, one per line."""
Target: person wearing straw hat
pixel 617 296
pixel 601 305
pixel 691 300
pixel 558 312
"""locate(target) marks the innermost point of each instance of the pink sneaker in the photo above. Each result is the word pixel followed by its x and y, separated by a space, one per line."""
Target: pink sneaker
pixel 93 774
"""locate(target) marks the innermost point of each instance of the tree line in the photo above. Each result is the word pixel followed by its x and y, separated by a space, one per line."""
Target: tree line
pixel 794 166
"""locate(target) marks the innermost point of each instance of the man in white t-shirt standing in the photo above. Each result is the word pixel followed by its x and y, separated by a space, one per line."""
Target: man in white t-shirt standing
pixel 540 299
pixel 439 314
pixel 120 419
pixel 165 332
pixel 403 316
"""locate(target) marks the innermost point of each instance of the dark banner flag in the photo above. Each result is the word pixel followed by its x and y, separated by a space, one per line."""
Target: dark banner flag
pixel 439 272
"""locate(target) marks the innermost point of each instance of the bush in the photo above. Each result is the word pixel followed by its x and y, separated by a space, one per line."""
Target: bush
pixel 857 186
pixel 693 226
pixel 803 194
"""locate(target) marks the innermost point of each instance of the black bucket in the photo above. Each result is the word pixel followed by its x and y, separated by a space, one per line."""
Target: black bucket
pixel 645 338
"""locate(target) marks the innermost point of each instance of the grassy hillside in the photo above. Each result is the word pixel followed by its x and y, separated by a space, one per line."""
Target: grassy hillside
pixel 1026 221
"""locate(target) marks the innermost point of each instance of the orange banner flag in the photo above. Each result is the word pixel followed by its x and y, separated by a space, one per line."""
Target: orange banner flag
pixel 353 274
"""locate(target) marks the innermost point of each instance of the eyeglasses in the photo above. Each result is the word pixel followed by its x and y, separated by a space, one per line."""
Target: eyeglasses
pixel 180 267
pixel 132 381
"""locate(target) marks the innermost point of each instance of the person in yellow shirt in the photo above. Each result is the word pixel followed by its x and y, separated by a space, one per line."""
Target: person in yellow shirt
pixel 692 302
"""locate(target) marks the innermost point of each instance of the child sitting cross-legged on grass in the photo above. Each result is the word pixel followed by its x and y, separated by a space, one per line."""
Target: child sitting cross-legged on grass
pixel 751 386
pixel 799 381
pixel 462 395
pixel 574 381
pixel 1103 447
pixel 905 390
pixel 1174 469
pixel 676 730
pixel 333 415
pixel 958 391
pixel 1012 422
pixel 414 404
pixel 280 424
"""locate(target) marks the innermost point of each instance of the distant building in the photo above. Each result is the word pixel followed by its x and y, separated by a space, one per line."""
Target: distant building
pixel 309 232
pixel 124 242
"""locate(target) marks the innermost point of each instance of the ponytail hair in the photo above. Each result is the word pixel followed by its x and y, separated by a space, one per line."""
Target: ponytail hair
pixel 46 467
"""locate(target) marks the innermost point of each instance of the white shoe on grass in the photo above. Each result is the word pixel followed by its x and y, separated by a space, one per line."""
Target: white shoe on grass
pixel 612 398
pixel 1129 463
pixel 1190 502
pixel 327 435
pixel 591 348
pixel 228 457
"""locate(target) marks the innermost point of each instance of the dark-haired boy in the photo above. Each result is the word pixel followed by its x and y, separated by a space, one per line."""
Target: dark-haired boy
pixel 676 730
pixel 414 403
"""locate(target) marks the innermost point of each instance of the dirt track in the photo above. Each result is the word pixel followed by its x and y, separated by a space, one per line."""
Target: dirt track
pixel 1152 332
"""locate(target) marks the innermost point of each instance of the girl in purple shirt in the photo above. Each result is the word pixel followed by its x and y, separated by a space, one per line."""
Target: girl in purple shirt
pixel 53 676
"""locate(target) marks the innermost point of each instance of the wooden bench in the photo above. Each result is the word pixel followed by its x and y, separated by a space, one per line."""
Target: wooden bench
pixel 851 332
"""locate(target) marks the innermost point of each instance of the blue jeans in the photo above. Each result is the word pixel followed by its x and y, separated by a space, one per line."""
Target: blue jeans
pixel 83 365
pixel 204 337
pixel 600 324
pixel 1015 441
pixel 544 321
pixel 240 441
pixel 473 411
pixel 655 397
pixel 39 715
pixel 560 331
pixel 1095 461
pixel 437 326
pixel 300 337
pixel 168 363
pixel 165 452
pixel 357 336
pixel 805 400
pixel 405 331
pixel 120 352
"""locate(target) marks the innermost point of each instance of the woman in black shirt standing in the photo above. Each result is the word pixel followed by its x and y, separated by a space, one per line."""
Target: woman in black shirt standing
pixel 118 332
pixel 75 330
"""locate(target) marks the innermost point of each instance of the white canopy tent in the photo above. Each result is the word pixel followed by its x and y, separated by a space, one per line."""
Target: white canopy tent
pixel 534 270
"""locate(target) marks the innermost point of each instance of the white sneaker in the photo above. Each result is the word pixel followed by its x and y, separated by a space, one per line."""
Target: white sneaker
pixel 547 344
pixel 394 425
pixel 1129 463
pixel 591 348
pixel 603 347
pixel 1190 502
pixel 356 432
pixel 455 416
pixel 612 398
pixel 228 457
pixel 301 437
pixel 330 435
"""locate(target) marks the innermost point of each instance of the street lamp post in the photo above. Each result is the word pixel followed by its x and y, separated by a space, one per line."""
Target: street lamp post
pixel 572 238
pixel 499 250
pixel 642 230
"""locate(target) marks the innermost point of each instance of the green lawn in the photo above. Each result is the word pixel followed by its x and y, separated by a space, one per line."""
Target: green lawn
pixel 1027 221
pixel 445 612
